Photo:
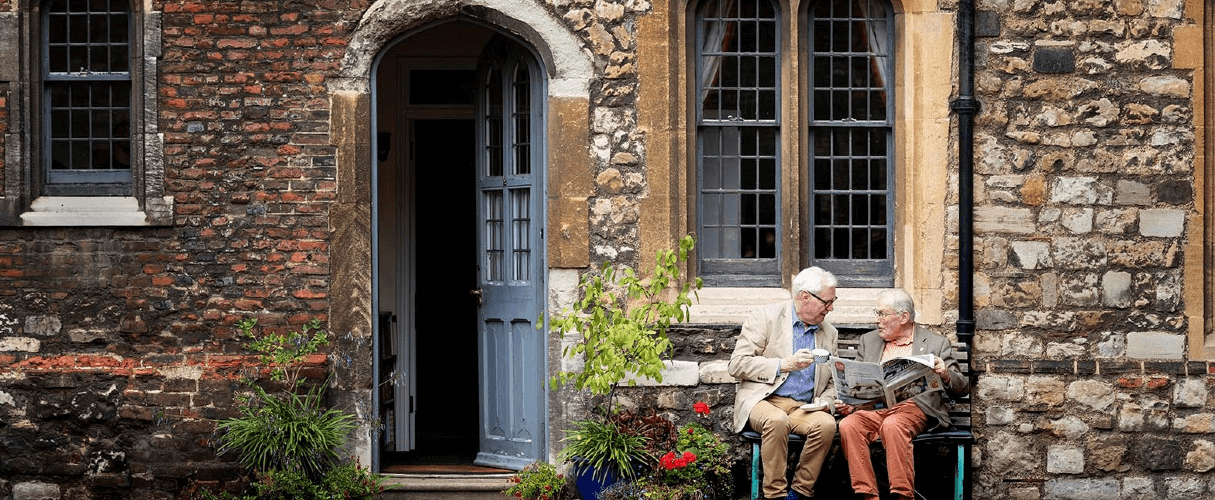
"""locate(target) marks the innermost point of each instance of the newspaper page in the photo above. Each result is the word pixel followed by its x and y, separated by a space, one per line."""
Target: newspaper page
pixel 873 385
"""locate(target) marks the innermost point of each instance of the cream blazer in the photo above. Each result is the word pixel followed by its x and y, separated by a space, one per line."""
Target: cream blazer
pixel 766 337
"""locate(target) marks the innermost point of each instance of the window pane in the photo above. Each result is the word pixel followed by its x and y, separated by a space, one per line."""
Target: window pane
pixel 850 129
pixel 738 80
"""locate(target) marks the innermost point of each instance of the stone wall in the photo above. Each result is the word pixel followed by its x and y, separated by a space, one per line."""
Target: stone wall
pixel 1085 219
pixel 117 350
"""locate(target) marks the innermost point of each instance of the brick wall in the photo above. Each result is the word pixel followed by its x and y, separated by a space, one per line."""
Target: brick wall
pixel 117 346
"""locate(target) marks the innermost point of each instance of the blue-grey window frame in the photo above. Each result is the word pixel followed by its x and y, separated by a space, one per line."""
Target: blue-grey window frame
pixel 857 272
pixel 110 182
pixel 725 271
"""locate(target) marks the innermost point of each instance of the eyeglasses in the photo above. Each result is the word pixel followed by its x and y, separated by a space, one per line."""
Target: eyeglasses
pixel 884 314
pixel 826 303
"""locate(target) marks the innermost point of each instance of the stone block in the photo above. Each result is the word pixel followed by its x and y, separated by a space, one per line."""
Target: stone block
pixel 1032 254
pixel 35 491
pixel 995 319
pixel 1077 221
pixel 1116 289
pixel 1004 220
pixel 10 46
pixel 1132 193
pixel 1006 451
pixel 44 326
pixel 1078 253
pixel 1139 488
pixel 1198 423
pixel 1045 390
pixel 1078 191
pixel 19 344
pixel 1163 223
pixel 1054 59
pixel 1155 345
pixel 1160 454
pixel 999 415
pixel 1082 489
pixel 676 373
pixel 1201 457
pixel 987 23
pixel 1107 454
pixel 1175 192
pixel 1070 427
pixel 1063 459
pixel 716 372
pixel 1166 86
pixel 1191 393
pixel 1091 393
pixel 1185 488
pixel 999 388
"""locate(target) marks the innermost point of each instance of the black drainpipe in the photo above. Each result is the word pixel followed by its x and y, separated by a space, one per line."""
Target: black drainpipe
pixel 966 106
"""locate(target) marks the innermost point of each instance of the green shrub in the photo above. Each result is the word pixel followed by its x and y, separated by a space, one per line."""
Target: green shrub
pixel 537 481
pixel 602 445
pixel 287 433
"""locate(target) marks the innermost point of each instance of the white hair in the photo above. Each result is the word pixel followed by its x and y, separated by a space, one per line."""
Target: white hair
pixel 898 300
pixel 813 280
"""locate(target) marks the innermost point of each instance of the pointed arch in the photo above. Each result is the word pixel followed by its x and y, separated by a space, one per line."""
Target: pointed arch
pixel 559 50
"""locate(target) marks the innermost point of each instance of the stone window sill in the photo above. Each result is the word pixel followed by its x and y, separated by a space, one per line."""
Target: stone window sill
pixel 102 211
pixel 731 306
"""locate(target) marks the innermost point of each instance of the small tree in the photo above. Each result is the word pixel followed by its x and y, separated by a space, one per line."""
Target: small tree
pixel 621 326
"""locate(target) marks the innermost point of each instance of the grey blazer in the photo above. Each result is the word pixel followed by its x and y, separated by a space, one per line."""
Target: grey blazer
pixel 925 341
pixel 766 337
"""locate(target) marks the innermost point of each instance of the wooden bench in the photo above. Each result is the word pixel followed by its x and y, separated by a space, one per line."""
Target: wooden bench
pixel 958 436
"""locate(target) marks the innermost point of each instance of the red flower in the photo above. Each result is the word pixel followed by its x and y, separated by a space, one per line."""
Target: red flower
pixel 691 431
pixel 689 456
pixel 701 408
pixel 548 487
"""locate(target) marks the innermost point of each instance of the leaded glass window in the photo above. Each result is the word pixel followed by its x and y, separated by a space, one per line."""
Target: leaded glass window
pixel 87 97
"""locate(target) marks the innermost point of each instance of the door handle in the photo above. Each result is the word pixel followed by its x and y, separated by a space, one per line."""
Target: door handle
pixel 477 293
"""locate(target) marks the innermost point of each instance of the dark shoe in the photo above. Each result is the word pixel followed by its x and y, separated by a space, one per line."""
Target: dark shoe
pixel 794 495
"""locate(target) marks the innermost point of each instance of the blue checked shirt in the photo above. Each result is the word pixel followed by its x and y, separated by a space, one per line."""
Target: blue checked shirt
pixel 800 385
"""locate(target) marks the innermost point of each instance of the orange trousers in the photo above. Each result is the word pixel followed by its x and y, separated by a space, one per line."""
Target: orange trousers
pixel 896 426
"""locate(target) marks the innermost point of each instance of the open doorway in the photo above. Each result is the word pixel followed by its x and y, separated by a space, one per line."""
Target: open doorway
pixel 459 252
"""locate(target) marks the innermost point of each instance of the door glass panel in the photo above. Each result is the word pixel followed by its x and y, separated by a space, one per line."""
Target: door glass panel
pixel 521 223
pixel 494 237
pixel 522 115
pixel 493 125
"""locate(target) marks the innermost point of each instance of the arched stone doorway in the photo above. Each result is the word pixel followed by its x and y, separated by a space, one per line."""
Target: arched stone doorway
pixel 367 283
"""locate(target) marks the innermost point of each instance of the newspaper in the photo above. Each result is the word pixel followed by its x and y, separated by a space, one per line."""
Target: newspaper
pixel 873 385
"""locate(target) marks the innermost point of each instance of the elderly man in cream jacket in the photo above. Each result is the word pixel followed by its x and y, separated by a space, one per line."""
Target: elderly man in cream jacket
pixel 777 385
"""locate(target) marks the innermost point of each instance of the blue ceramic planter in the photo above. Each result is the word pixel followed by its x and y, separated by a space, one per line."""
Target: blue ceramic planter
pixel 589 486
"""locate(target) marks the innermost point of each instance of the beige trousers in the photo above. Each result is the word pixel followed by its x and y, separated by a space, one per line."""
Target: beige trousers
pixel 775 418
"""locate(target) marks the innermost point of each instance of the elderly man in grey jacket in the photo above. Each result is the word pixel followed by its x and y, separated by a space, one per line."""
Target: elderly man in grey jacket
pixel 775 384
pixel 897 335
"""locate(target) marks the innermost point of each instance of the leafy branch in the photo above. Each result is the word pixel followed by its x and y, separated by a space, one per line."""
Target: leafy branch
pixel 622 321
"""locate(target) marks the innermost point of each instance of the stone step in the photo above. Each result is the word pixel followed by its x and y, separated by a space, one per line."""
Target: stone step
pixel 445 486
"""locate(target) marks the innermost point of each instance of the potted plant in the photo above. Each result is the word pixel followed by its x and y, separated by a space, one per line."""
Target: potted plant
pixel 620 328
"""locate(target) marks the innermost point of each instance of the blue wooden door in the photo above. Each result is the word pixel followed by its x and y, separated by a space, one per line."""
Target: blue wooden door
pixel 510 205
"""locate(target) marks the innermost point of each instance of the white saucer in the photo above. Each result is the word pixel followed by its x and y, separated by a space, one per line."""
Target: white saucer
pixel 813 406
